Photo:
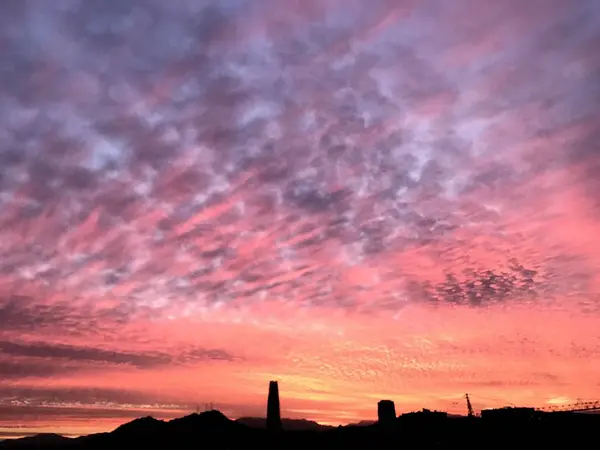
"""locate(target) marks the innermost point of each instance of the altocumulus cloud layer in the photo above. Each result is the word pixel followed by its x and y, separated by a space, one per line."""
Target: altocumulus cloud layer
pixel 398 200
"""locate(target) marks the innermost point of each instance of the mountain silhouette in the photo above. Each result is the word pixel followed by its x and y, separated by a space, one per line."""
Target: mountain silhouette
pixel 363 423
pixel 191 431
pixel 142 425
pixel 213 421
pixel 43 440
pixel 288 424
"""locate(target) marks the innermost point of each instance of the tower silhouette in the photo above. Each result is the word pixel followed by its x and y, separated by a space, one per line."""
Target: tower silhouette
pixel 386 412
pixel 273 410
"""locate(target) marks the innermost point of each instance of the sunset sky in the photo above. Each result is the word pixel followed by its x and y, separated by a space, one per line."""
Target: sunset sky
pixel 359 199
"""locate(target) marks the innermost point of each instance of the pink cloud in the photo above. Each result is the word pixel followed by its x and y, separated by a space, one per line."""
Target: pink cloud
pixel 360 204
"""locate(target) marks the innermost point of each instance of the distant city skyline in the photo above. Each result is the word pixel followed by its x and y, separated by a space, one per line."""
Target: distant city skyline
pixel 362 200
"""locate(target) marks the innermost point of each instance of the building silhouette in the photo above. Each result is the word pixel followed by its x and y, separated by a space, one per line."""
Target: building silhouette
pixel 386 412
pixel 273 409
pixel 424 418
pixel 509 414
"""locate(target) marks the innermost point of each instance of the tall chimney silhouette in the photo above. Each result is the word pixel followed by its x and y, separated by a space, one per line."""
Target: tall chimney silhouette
pixel 273 411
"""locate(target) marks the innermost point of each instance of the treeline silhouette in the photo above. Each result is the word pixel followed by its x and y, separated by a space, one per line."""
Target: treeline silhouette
pixel 212 430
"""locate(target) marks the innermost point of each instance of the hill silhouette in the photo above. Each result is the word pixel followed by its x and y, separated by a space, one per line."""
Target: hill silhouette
pixel 43 440
pixel 212 430
pixel 213 421
pixel 146 424
pixel 288 424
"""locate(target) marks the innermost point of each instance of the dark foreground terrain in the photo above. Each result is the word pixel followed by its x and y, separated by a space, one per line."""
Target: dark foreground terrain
pixel 212 430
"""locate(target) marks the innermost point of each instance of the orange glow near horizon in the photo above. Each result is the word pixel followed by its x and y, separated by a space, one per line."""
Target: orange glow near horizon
pixel 333 369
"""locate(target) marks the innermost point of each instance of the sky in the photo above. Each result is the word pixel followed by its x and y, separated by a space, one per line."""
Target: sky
pixel 362 200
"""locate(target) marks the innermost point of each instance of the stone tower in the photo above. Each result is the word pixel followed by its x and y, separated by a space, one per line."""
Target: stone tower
pixel 273 410
pixel 386 412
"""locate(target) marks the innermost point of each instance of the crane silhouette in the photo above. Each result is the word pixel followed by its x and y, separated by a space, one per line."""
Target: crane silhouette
pixel 578 406
pixel 469 406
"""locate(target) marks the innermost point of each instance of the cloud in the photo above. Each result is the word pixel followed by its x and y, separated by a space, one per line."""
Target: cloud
pixel 16 370
pixel 40 359
pixel 479 289
pixel 41 396
pixel 41 350
pixel 263 187
pixel 22 312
